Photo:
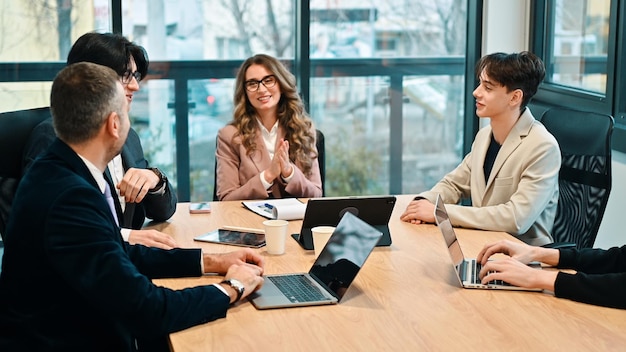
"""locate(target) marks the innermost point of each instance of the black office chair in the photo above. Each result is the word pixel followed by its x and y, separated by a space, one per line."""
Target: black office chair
pixel 320 144
pixel 15 127
pixel 585 177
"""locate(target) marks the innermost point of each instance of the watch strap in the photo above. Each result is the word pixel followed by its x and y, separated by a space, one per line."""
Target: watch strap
pixel 237 286
pixel 162 179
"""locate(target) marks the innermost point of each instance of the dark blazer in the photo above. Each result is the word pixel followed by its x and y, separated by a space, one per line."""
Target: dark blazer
pixel 154 206
pixel 69 282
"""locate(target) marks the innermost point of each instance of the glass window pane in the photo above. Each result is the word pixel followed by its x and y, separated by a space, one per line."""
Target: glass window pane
pixel 209 29
pixel 41 32
pixel 213 100
pixel 432 130
pixel 24 95
pixel 395 28
pixel 579 44
pixel 356 131
pixel 155 123
pixel 356 113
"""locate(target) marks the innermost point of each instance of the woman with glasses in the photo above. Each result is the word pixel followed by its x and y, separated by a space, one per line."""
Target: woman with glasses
pixel 141 191
pixel 268 149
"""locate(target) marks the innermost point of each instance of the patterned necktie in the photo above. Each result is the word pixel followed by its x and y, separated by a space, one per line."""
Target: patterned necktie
pixel 109 198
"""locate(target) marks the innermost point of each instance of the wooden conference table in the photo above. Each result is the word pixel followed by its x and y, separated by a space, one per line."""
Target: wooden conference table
pixel 404 299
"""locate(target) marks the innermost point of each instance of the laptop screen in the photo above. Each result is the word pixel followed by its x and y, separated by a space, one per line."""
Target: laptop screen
pixel 443 222
pixel 345 253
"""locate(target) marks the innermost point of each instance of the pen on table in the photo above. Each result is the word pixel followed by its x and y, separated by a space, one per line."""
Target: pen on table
pixel 243 229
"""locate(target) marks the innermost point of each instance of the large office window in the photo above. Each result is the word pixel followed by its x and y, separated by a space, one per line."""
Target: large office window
pixel 583 47
pixel 42 31
pixel 351 44
pixel 386 79
pixel 579 44
pixel 200 33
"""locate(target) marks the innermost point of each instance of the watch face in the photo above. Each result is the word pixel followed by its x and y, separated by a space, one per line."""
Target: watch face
pixel 237 284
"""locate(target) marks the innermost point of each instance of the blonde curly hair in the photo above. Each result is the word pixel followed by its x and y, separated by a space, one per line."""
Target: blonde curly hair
pixel 292 116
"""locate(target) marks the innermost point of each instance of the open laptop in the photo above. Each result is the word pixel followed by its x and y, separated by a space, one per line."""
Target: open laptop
pixel 327 211
pixel 467 270
pixel 330 276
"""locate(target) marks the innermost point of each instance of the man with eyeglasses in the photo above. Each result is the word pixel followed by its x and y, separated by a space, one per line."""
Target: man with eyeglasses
pixel 142 191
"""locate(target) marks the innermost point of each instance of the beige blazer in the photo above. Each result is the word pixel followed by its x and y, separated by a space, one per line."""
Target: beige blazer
pixel 238 173
pixel 521 194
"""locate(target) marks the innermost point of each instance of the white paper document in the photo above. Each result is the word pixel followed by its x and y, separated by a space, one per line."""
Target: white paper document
pixel 280 209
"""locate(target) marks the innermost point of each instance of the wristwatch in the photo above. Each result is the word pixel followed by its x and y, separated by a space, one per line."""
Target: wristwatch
pixel 237 286
pixel 162 179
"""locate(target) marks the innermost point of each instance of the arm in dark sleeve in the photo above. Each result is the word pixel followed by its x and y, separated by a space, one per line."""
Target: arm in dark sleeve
pixel 149 261
pixel 99 269
pixel 41 137
pixel 600 280
pixel 158 207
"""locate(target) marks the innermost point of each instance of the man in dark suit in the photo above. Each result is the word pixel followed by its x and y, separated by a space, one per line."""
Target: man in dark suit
pixel 142 191
pixel 69 282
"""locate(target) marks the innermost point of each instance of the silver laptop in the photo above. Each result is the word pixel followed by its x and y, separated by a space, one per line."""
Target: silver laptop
pixel 330 276
pixel 467 270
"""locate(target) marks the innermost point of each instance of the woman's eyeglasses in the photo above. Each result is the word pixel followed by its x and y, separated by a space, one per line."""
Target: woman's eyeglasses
pixel 128 76
pixel 252 85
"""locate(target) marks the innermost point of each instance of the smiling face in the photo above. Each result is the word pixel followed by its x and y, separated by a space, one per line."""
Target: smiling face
pixel 264 99
pixel 492 98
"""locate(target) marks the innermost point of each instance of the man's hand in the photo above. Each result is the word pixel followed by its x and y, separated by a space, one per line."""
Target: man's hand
pixel 244 265
pixel 419 211
pixel 221 263
pixel 136 184
pixel 152 238
pixel 249 275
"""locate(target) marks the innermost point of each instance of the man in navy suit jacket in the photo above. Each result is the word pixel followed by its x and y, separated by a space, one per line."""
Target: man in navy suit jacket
pixel 69 282
pixel 145 191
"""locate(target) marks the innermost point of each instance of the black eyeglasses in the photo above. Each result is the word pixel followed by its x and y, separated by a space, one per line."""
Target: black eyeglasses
pixel 253 85
pixel 128 76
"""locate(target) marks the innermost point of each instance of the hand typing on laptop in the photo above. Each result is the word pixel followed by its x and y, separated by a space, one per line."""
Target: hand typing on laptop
pixel 244 266
pixel 514 269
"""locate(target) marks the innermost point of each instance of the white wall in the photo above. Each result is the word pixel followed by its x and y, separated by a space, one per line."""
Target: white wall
pixel 505 26
pixel 611 231
pixel 506 29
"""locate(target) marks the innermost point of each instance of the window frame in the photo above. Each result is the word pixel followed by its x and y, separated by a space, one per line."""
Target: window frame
pixel 613 102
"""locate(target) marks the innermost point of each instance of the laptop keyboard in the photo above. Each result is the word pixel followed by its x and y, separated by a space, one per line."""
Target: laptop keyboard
pixel 475 271
pixel 298 288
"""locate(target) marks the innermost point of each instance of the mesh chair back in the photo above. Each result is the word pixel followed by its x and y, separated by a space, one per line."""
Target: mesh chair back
pixel 585 177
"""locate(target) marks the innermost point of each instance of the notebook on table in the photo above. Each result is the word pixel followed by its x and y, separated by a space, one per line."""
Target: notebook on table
pixel 330 276
pixel 327 211
pixel 467 270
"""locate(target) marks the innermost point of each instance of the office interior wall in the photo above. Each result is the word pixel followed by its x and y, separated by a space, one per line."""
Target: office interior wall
pixel 505 25
pixel 505 28
pixel 611 232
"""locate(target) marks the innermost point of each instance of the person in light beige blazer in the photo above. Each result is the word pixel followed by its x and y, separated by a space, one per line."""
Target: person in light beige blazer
pixel 268 150
pixel 511 172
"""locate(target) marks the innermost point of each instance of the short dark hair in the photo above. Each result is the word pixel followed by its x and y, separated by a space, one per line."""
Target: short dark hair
pixel 523 70
pixel 111 50
pixel 82 96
